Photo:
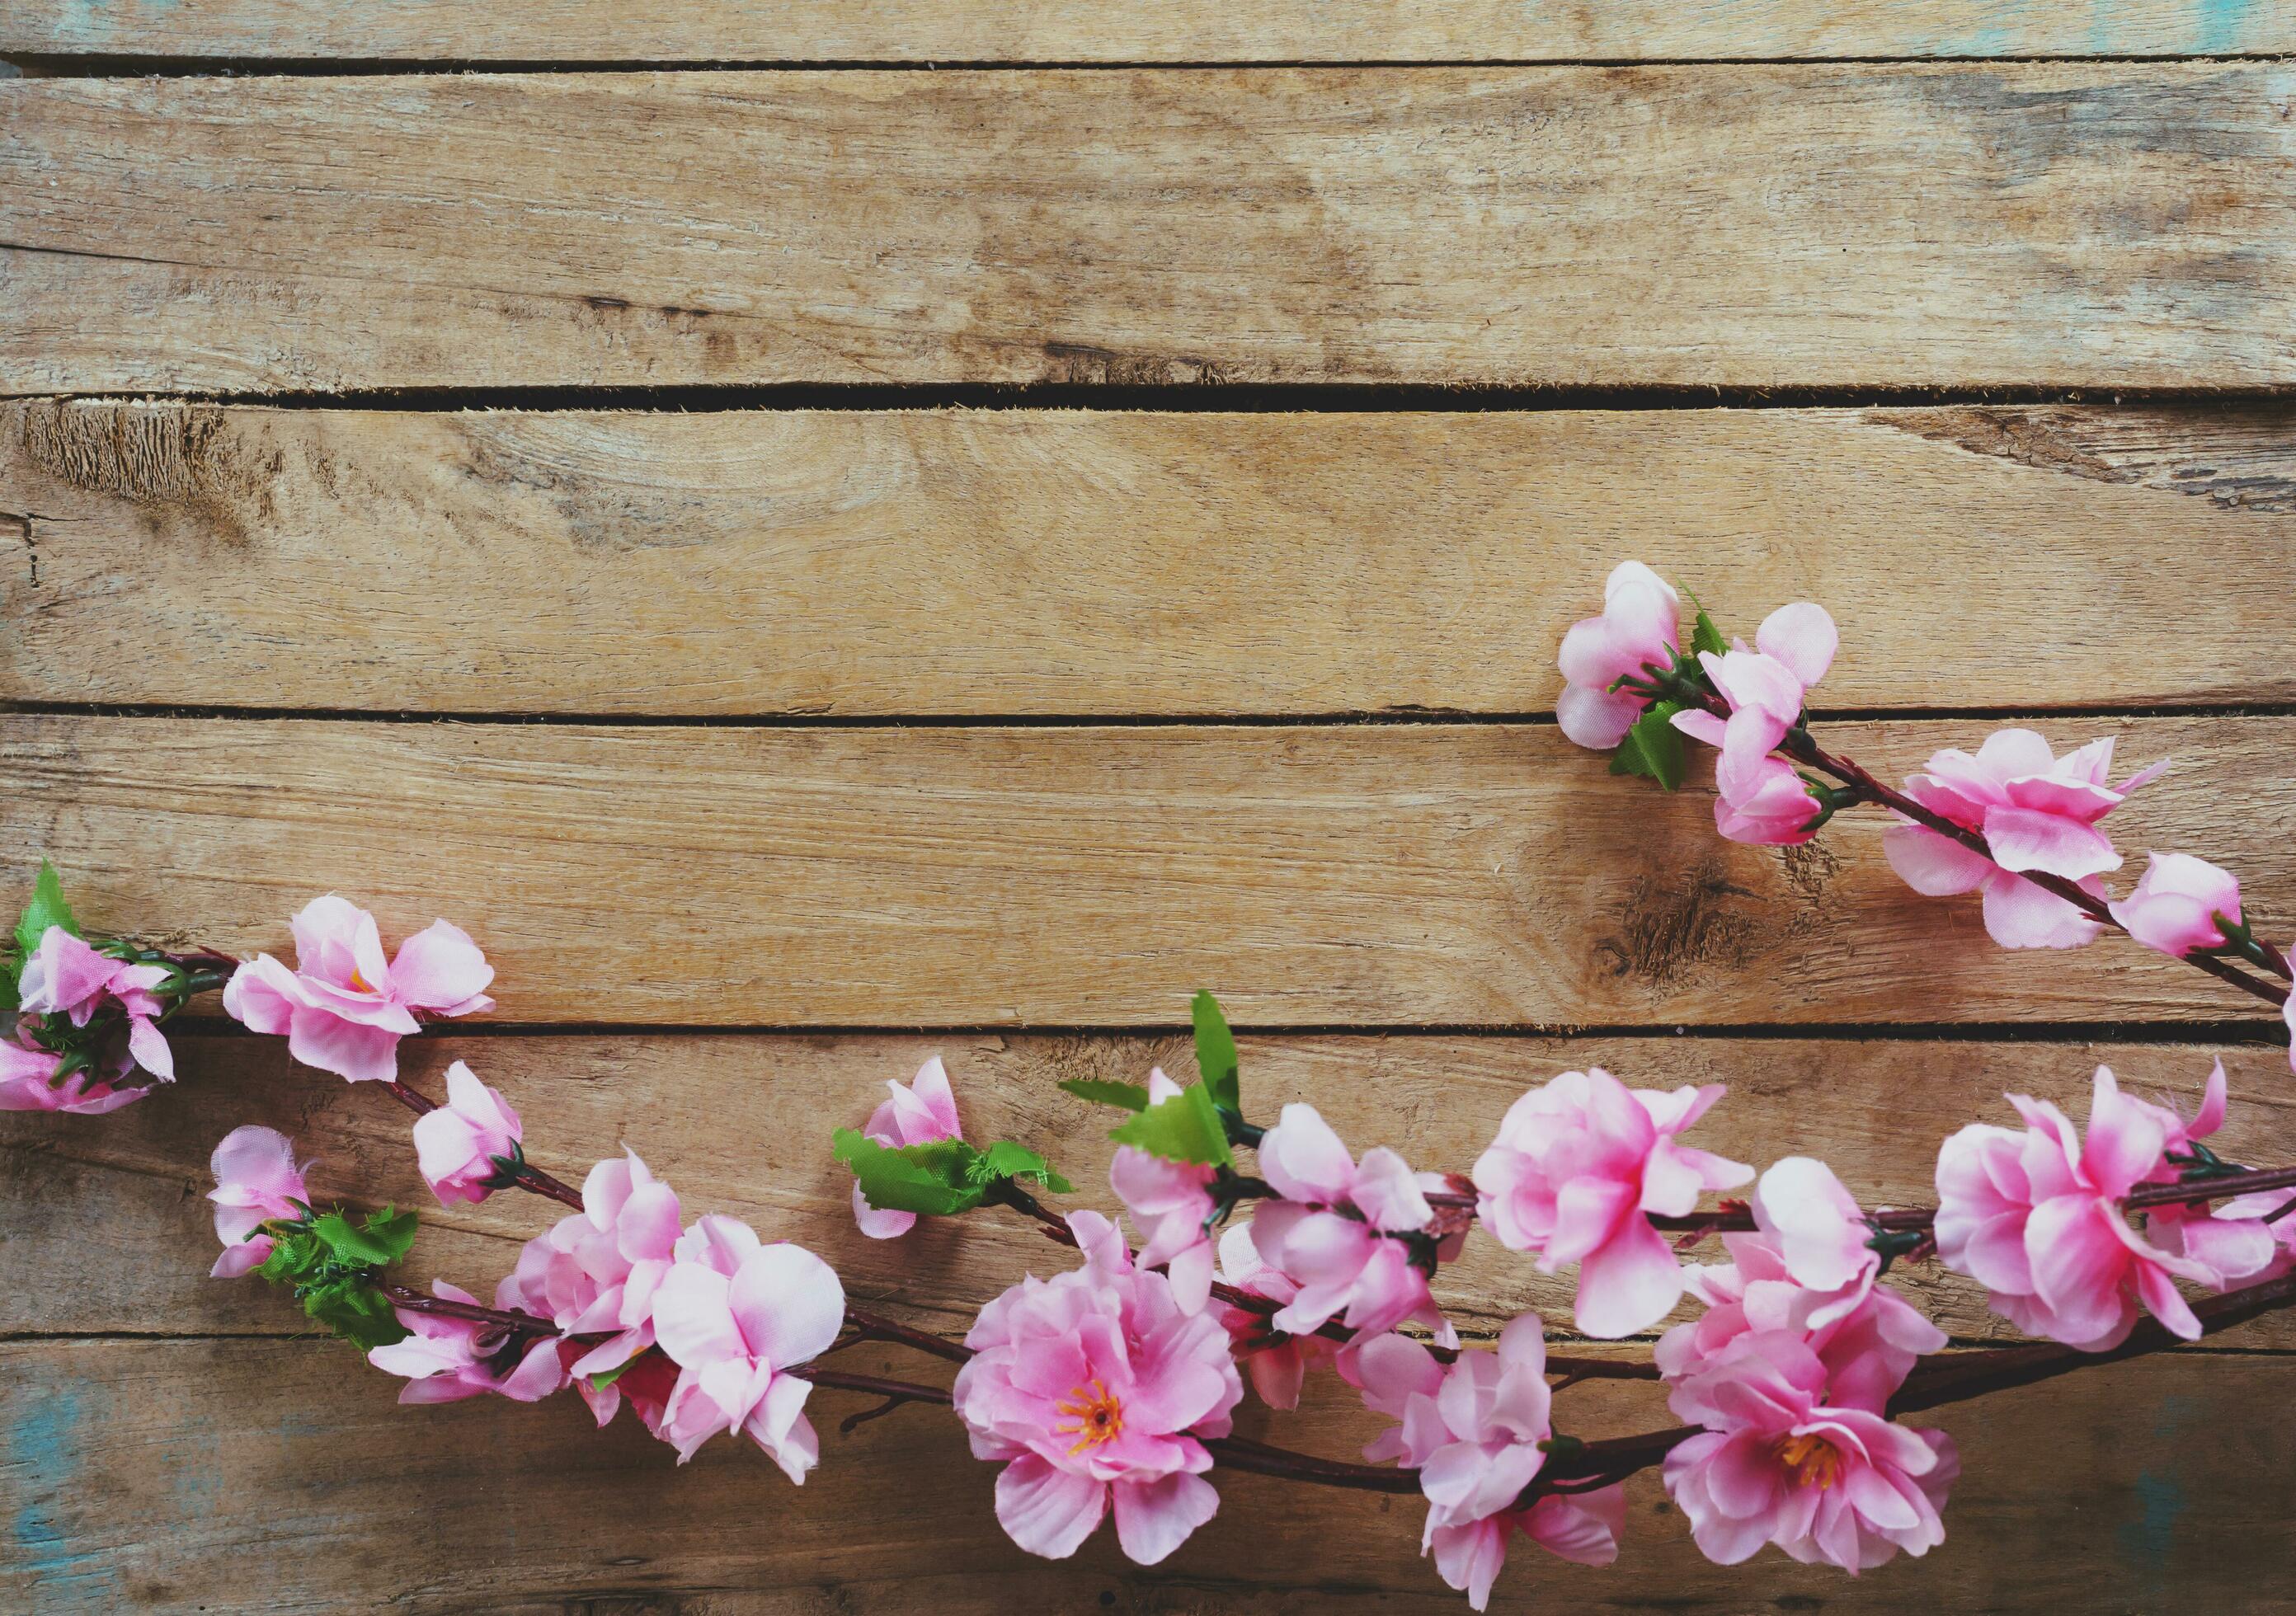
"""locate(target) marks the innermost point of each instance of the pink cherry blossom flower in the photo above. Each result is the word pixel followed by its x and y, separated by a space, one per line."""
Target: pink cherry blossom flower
pixel 1096 1388
pixel 1329 1233
pixel 257 1181
pixel 1275 1361
pixel 2173 906
pixel 1776 810
pixel 1578 1167
pixel 597 1269
pixel 343 1009
pixel 1765 689
pixel 445 1359
pixel 2258 1209
pixel 2037 812
pixel 2034 1216
pixel 1473 1431
pixel 64 976
pixel 1781 1463
pixel 919 1115
pixel 1171 1200
pixel 457 1146
pixel 27 1082
pixel 737 1317
pixel 1640 624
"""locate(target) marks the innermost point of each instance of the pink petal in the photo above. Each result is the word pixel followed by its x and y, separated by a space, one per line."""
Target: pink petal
pixel 2009 754
pixel 1304 1159
pixel 2126 1138
pixel 362 1054
pixel 694 1318
pixel 1933 865
pixel 1154 1518
pixel 149 1048
pixel 1387 1192
pixel 1801 636
pixel 441 969
pixel 930 1085
pixel 789 1303
pixel 2024 839
pixel 262 996
pixel 1047 1511
pixel 1701 725
pixel 2078 1261
pixel 1596 718
pixel 1630 1284
pixel 1584 1528
pixel 2019 914
pixel 886 1223
pixel 257 1159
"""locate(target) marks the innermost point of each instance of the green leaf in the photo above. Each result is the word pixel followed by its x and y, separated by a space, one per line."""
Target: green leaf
pixel 1654 747
pixel 1132 1097
pixel 1184 1128
pixel 356 1310
pixel 1705 637
pixel 1006 1160
pixel 931 1180
pixel 46 909
pixel 380 1239
pixel 1215 1054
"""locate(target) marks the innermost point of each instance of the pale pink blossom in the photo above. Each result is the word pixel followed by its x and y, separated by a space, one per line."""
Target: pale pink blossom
pixel 257 1181
pixel 445 1359
pixel 1096 1388
pixel 1171 1201
pixel 1640 625
pixel 2035 1217
pixel 1777 810
pixel 344 1008
pixel 1472 1429
pixel 64 976
pixel 1326 1236
pixel 27 1082
pixel 1273 1360
pixel 1578 1166
pixel 461 1145
pixel 738 1316
pixel 2175 905
pixel 2037 812
pixel 596 1271
pixel 1781 1463
pixel 919 1115
pixel 2257 1209
pixel 1765 689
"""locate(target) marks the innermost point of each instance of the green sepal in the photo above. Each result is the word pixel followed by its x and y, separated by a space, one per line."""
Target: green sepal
pixel 1131 1097
pixel 1216 1056
pixel 1705 637
pixel 1006 1160
pixel 1185 1128
pixel 1654 747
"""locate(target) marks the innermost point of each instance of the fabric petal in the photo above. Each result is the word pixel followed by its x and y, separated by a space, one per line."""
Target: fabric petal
pixel 1154 1518
pixel 1047 1510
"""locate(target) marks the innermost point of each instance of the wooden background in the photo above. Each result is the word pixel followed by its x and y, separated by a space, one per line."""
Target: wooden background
pixel 818 558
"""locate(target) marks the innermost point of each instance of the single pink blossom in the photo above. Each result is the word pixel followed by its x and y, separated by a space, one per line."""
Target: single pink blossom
pixel 1171 1201
pixel 445 1359
pixel 2035 1217
pixel 257 1181
pixel 737 1317
pixel 919 1115
pixel 1273 1360
pixel 1777 810
pixel 1779 1463
pixel 2259 1209
pixel 1473 1430
pixel 1765 689
pixel 2175 905
pixel 343 1009
pixel 1578 1165
pixel 64 976
pixel 459 1146
pixel 1095 1387
pixel 2037 812
pixel 27 1082
pixel 1640 626
pixel 596 1271
pixel 1329 1233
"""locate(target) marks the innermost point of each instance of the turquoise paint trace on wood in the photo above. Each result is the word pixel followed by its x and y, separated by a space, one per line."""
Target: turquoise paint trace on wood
pixel 2224 25
pixel 43 1446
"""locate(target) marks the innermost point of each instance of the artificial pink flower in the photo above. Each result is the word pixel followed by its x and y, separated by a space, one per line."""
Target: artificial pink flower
pixel 64 976
pixel 27 1082
pixel 2257 1209
pixel 2035 1217
pixel 460 1145
pixel 2037 812
pixel 1329 1233
pixel 2175 905
pixel 919 1115
pixel 1172 1201
pixel 1780 1463
pixel 1577 1165
pixel 596 1271
pixel 1473 1430
pixel 1777 809
pixel 1095 1386
pixel 1640 627
pixel 257 1181
pixel 445 1359
pixel 1765 689
pixel 736 1316
pixel 343 1009
pixel 1275 1361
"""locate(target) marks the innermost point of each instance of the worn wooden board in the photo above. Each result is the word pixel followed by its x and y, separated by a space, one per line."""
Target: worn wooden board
pixel 104 1229
pixel 276 1476
pixel 575 31
pixel 1316 874
pixel 2054 224
pixel 1025 562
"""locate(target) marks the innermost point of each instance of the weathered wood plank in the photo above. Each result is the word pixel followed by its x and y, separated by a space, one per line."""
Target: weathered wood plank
pixel 2054 224
pixel 1312 876
pixel 1177 31
pixel 278 1476
pixel 103 1229
pixel 977 563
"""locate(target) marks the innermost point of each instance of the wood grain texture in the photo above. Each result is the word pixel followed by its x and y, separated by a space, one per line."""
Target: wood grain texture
pixel 103 1228
pixel 1175 31
pixel 972 563
pixel 2049 224
pixel 278 1476
pixel 1311 876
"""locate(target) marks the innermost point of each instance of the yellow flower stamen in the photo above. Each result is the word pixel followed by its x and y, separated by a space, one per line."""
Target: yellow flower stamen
pixel 1099 1416
pixel 1815 1461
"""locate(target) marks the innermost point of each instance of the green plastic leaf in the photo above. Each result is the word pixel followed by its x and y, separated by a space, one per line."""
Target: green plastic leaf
pixel 1132 1097
pixel 931 1180
pixel 356 1310
pixel 1654 747
pixel 1215 1054
pixel 605 1378
pixel 1705 637
pixel 380 1239
pixel 46 909
pixel 1184 1128
pixel 1006 1160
